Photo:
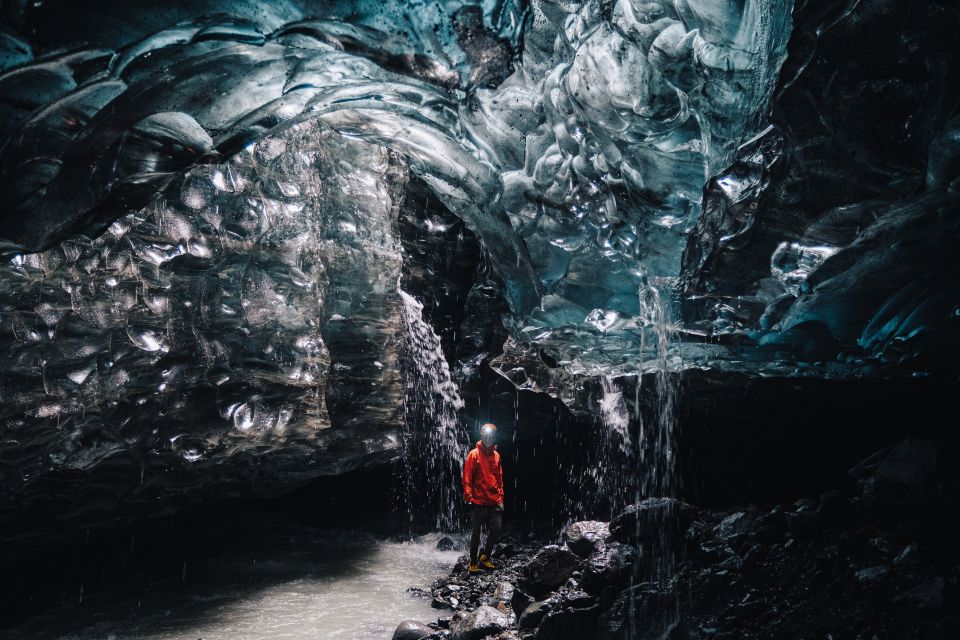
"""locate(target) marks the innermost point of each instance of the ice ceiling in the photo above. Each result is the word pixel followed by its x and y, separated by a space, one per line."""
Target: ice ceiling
pixel 202 201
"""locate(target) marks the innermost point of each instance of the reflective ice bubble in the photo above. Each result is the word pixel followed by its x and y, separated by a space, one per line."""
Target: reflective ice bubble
pixel 792 263
pixel 147 339
pixel 197 191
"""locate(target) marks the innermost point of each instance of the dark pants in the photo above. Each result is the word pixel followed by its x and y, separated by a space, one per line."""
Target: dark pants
pixel 489 516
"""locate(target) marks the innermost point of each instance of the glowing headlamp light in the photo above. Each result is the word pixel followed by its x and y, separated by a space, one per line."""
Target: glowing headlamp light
pixel 488 433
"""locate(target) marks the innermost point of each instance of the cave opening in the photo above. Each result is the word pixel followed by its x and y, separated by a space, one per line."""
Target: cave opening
pixel 267 270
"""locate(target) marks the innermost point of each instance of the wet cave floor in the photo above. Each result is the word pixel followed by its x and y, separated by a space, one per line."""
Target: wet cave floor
pixel 258 575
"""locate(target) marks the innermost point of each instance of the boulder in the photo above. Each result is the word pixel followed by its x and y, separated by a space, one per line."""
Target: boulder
pixel 872 574
pixel 608 566
pixel 585 537
pixel 534 613
pixel 446 543
pixel 733 529
pixel 835 508
pixel 651 514
pixel 483 622
pixel 411 630
pixel 903 478
pixel 568 624
pixel 928 595
pixel 805 524
pixel 520 601
pixel 641 612
pixel 549 568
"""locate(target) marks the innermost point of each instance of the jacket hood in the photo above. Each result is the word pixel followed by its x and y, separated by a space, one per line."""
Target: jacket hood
pixel 485 449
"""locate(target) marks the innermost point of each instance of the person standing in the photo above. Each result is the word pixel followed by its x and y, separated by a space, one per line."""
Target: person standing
pixel 483 490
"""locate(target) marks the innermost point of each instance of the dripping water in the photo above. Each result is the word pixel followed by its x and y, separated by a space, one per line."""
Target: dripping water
pixel 658 538
pixel 434 440
pixel 659 475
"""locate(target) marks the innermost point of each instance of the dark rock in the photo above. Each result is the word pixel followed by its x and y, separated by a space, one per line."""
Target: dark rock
pixel 927 595
pixel 520 601
pixel 751 556
pixel 503 593
pixel 711 552
pixel 736 524
pixel 549 568
pixel 904 478
pixel 485 621
pixel 776 516
pixel 745 611
pixel 534 613
pixel 586 536
pixel 446 543
pixel 872 574
pixel 652 514
pixel 417 592
pixel 907 556
pixel 576 600
pixel 444 622
pixel 835 508
pixel 768 533
pixel 805 524
pixel 611 565
pixel 411 630
pixel 440 603
pixel 568 624
pixel 739 541
pixel 649 612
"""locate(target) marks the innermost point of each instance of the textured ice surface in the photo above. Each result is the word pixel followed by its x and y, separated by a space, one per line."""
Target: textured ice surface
pixel 198 203
pixel 249 312
pixel 581 171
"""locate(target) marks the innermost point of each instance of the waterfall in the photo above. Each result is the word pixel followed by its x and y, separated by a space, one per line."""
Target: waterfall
pixel 435 443
pixel 658 536
pixel 659 475
pixel 615 448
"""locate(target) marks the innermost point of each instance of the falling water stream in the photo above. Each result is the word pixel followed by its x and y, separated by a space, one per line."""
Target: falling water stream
pixel 633 450
pixel 657 535
pixel 435 443
pixel 658 437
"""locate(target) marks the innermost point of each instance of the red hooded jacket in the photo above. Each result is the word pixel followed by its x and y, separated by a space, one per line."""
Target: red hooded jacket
pixel 483 476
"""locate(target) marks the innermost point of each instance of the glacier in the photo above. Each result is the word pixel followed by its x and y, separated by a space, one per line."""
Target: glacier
pixel 201 248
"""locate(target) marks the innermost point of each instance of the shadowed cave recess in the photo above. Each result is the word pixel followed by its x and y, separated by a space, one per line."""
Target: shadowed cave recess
pixel 266 268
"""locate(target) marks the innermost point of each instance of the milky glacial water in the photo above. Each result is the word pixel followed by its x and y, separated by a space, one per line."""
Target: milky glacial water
pixel 292 585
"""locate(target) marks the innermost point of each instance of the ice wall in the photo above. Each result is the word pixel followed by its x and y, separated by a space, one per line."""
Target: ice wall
pixel 166 168
pixel 246 317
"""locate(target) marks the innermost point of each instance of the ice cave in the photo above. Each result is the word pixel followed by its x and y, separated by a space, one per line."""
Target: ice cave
pixel 479 319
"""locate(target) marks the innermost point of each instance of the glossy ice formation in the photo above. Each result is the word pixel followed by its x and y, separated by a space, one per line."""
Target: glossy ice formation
pixel 581 171
pixel 200 207
pixel 238 317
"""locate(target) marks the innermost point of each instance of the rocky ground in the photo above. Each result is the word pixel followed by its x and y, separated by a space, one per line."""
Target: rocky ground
pixel 874 560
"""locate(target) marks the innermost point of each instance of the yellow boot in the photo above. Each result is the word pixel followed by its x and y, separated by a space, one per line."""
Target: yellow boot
pixel 485 562
pixel 473 568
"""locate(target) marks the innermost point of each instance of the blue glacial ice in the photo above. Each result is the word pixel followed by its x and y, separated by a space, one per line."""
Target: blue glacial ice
pixel 200 213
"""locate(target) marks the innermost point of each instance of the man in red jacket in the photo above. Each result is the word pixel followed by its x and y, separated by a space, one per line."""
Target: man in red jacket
pixel 483 489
